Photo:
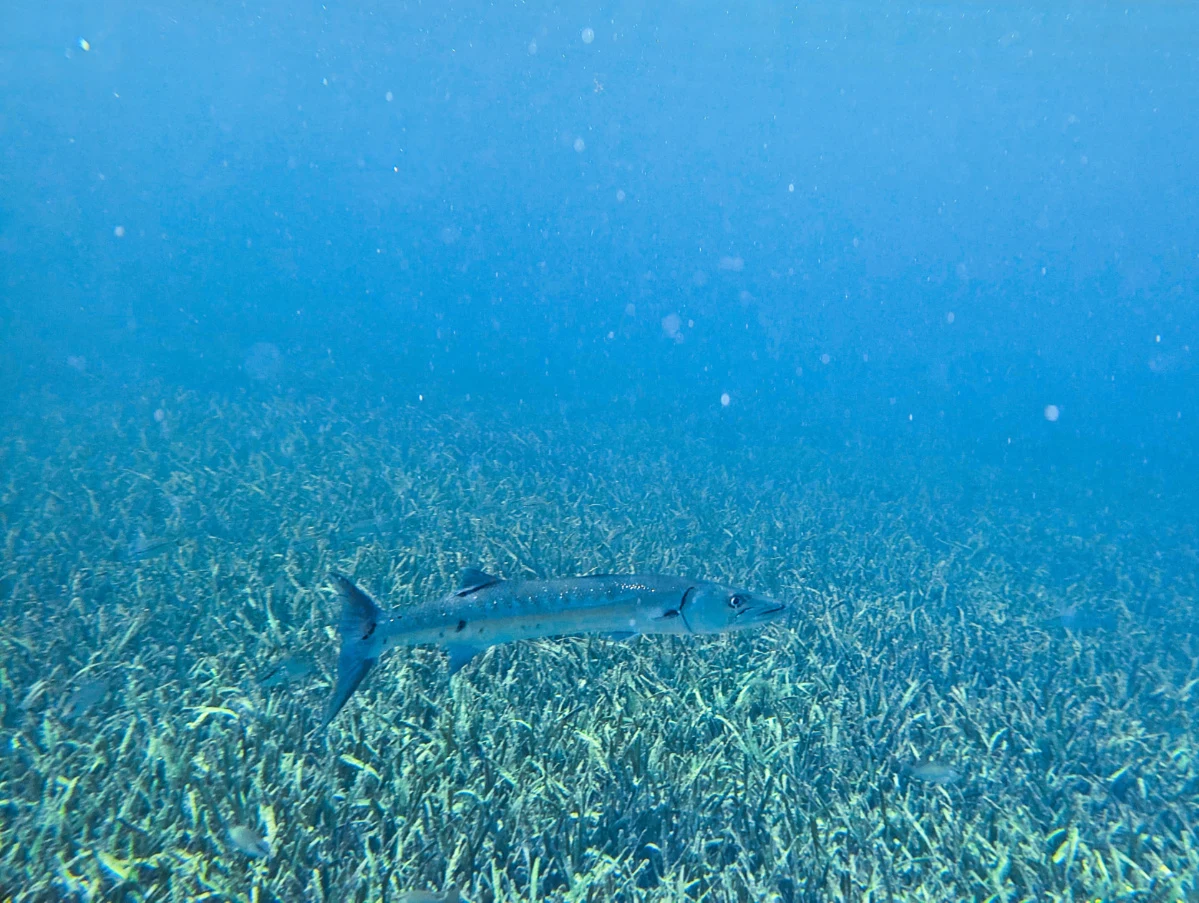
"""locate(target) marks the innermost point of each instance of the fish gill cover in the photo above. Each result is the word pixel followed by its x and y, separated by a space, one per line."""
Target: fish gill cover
pixel 884 313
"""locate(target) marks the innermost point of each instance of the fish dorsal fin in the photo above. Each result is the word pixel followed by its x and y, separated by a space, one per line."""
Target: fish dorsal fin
pixel 472 579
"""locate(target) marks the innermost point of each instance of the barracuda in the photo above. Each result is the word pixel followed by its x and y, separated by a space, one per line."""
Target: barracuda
pixel 485 610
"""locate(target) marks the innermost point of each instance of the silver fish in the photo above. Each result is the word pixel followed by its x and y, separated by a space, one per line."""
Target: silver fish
pixel 290 669
pixel 1075 620
pixel 429 896
pixel 249 842
pixel 485 611
pixel 931 772
pixel 146 547
pixel 86 695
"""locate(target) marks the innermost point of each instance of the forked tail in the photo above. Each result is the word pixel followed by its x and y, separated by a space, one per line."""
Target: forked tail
pixel 360 646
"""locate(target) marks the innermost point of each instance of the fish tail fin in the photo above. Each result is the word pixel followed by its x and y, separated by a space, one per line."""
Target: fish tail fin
pixel 359 646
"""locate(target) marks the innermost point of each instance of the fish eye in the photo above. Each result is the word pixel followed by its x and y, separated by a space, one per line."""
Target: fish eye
pixel 736 600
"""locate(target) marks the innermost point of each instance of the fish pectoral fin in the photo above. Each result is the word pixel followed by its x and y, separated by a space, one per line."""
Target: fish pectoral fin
pixel 472 579
pixel 622 635
pixel 460 654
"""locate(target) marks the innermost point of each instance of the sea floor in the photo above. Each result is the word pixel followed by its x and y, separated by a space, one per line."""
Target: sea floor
pixel 988 690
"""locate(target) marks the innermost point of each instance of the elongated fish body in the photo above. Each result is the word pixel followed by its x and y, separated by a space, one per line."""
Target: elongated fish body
pixel 528 609
pixel 485 611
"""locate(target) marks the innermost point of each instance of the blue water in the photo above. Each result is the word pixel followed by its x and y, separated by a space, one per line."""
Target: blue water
pixel 523 214
pixel 943 245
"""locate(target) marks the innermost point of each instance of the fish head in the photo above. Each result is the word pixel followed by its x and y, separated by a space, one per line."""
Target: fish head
pixel 714 608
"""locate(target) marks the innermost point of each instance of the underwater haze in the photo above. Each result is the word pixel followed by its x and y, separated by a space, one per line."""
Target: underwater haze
pixel 885 311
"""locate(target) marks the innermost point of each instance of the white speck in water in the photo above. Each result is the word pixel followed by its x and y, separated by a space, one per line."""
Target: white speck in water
pixel 949 317
pixel 620 195
pixel 588 35
pixel 579 145
pixel 825 358
pixel 725 401
pixel 1052 413
pixel 791 188
pixel 119 231
pixel 84 45
pixel 389 97
pixel 532 48
pixel 159 415
pixel 671 324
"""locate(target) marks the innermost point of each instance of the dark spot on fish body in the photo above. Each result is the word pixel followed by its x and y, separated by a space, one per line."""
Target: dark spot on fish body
pixel 461 626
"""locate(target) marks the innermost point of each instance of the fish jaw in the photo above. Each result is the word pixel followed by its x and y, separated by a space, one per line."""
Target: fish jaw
pixel 759 611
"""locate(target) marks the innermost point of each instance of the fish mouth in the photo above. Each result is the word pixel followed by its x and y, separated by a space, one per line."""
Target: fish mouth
pixel 768 611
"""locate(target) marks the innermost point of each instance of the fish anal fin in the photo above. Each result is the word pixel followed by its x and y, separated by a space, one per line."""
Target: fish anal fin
pixel 471 579
pixel 460 654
